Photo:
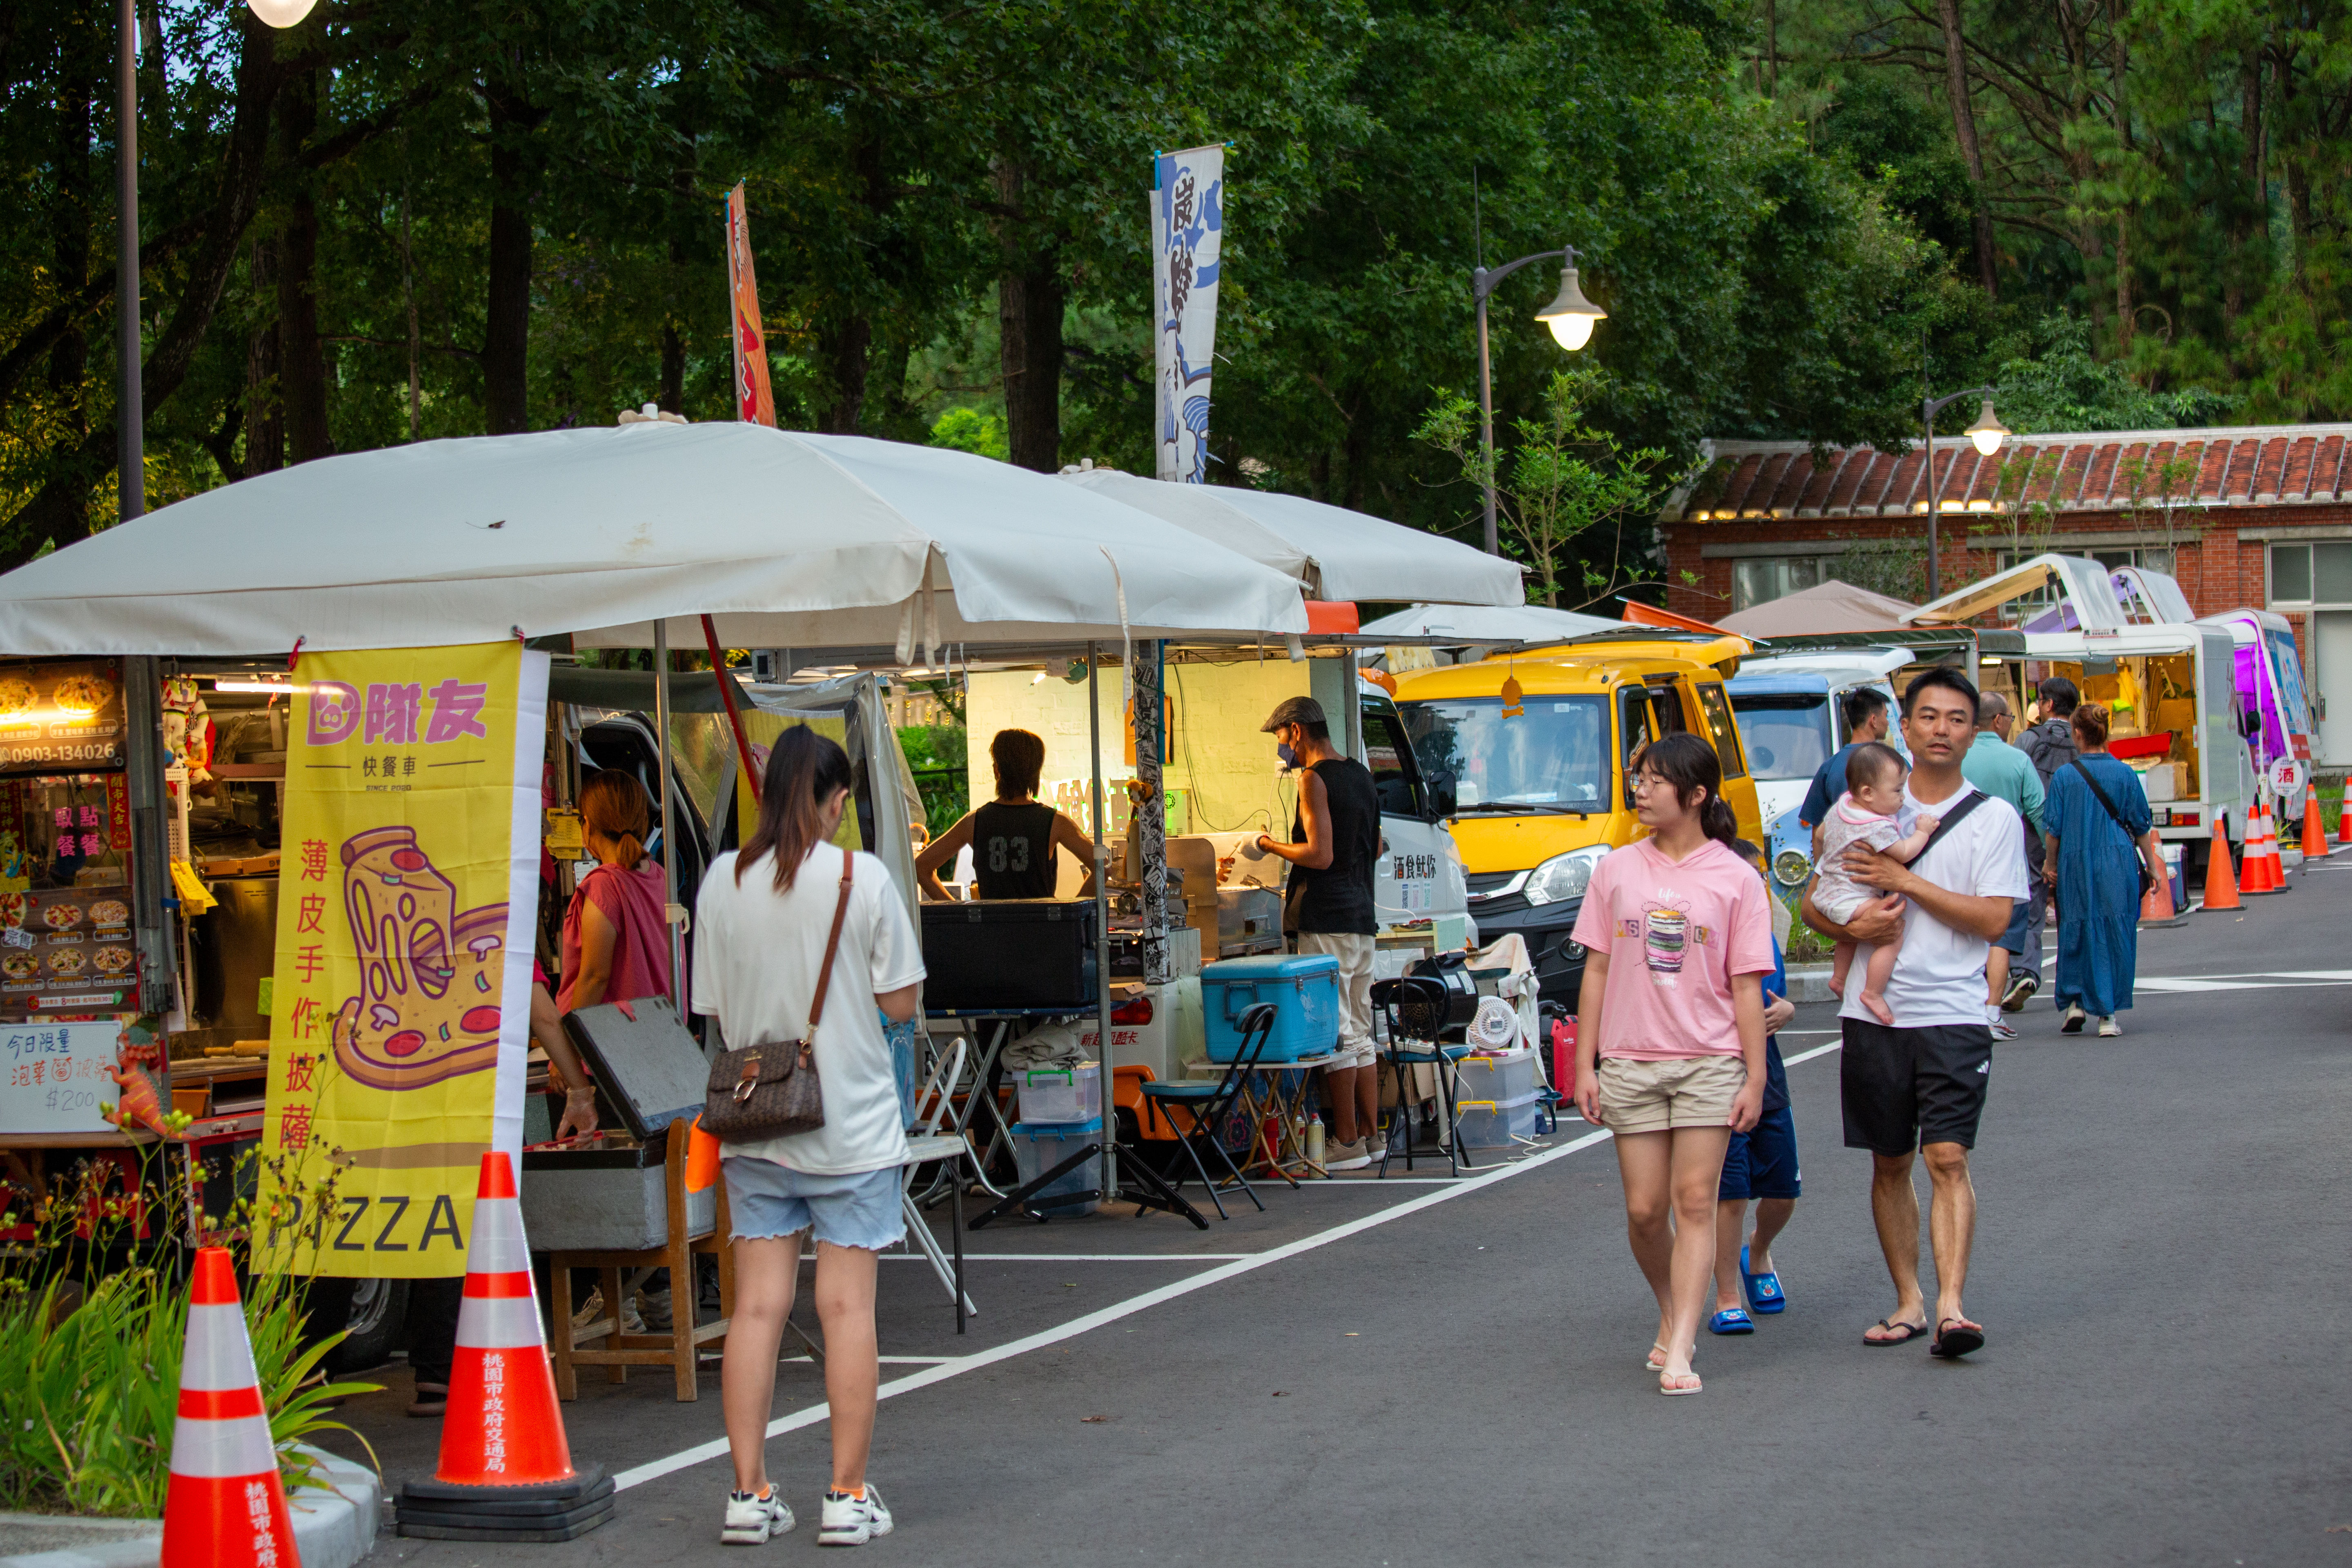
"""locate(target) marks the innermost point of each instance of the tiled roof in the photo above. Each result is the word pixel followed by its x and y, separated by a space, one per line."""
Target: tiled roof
pixel 2246 465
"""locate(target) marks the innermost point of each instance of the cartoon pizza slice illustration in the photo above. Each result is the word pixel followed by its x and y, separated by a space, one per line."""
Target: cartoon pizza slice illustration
pixel 427 1009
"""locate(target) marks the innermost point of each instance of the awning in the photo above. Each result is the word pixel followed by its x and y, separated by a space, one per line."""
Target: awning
pixel 1490 623
pixel 1830 606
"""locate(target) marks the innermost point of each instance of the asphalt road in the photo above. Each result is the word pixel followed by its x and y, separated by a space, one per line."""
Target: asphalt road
pixel 1383 1373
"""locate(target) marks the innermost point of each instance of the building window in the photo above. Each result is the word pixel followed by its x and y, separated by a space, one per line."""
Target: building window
pixel 1760 579
pixel 2311 574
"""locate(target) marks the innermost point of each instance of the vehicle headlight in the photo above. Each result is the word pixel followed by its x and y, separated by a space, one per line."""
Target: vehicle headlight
pixel 1791 866
pixel 1564 877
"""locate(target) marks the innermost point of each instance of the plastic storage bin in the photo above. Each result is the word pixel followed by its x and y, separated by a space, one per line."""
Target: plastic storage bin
pixel 1304 989
pixel 1038 1147
pixel 1061 1094
pixel 1510 1077
pixel 1500 1126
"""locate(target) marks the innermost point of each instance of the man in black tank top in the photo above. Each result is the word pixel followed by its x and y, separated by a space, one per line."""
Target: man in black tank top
pixel 1328 906
pixel 1013 837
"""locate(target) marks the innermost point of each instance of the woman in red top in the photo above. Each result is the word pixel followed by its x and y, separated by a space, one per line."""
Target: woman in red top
pixel 615 939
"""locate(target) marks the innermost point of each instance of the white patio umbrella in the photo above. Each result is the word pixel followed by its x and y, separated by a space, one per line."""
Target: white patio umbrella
pixel 1485 623
pixel 788 540
pixel 1340 554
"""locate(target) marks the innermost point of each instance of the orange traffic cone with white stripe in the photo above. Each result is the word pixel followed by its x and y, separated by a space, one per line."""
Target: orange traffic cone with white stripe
pixel 2314 832
pixel 2344 816
pixel 2220 883
pixel 2265 872
pixel 506 1470
pixel 227 1506
pixel 2155 905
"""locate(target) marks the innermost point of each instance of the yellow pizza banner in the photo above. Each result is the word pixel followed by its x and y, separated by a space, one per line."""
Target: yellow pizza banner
pixel 399 1030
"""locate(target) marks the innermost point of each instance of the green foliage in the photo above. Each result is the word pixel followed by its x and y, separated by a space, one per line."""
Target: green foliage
pixel 2056 383
pixel 969 430
pixel 936 757
pixel 1561 482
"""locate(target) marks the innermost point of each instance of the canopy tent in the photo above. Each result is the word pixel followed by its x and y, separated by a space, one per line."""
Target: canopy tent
pixel 1338 553
pixel 1830 606
pixel 1489 623
pixel 789 540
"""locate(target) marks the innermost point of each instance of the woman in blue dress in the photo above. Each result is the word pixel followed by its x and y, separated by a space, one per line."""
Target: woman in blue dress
pixel 2095 854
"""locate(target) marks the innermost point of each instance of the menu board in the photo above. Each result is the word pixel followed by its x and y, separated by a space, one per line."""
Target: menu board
pixel 54 1077
pixel 60 718
pixel 65 951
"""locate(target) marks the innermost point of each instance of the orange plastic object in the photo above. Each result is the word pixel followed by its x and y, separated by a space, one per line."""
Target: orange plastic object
pixel 226 1507
pixel 1333 618
pixel 701 1159
pixel 503 1428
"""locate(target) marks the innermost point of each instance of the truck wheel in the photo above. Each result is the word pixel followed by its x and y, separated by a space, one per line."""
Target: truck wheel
pixel 378 1313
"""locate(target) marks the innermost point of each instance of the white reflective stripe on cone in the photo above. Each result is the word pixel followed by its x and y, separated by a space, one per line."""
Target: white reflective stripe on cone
pixel 218 1355
pixel 498 1323
pixel 498 1246
pixel 222 1449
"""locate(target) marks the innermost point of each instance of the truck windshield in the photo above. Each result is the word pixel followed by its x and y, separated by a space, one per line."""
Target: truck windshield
pixel 2286 671
pixel 1555 752
pixel 1787 733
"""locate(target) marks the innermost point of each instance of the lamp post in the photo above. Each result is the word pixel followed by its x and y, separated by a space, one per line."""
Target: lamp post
pixel 1569 315
pixel 1987 434
pixel 130 412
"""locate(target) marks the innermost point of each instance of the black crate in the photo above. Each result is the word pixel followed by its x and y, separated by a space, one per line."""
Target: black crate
pixel 1009 953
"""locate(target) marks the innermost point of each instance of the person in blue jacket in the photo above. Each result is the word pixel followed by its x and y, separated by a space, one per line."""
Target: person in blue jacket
pixel 1759 1166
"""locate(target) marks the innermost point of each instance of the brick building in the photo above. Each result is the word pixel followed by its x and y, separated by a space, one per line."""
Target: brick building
pixel 2253 516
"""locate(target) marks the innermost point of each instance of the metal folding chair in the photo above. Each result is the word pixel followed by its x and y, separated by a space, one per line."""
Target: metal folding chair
pixel 926 1143
pixel 1207 1105
pixel 1418 997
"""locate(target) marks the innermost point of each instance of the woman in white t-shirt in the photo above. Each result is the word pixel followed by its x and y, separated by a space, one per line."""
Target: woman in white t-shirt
pixel 760 925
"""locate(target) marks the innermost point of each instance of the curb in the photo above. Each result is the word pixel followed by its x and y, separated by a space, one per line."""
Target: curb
pixel 1810 983
pixel 331 1529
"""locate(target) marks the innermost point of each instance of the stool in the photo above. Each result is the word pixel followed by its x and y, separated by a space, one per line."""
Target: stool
pixel 679 1347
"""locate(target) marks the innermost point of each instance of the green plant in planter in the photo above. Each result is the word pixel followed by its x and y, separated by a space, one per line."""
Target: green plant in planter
pixel 89 1373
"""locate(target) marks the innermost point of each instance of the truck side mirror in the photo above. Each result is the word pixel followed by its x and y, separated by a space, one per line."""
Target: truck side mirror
pixel 1441 794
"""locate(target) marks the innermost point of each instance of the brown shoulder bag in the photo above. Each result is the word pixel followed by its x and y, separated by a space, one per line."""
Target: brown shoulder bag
pixel 770 1089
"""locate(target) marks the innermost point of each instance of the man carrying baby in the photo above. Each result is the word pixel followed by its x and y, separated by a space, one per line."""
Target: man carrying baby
pixel 1866 816
pixel 1917 1085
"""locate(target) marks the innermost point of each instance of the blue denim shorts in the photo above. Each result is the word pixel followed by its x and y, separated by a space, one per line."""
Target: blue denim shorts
pixel 858 1210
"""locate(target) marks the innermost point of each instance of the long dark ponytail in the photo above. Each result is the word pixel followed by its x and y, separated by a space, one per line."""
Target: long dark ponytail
pixel 805 770
pixel 1689 764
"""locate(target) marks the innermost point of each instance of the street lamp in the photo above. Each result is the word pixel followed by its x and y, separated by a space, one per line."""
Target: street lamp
pixel 130 413
pixel 1987 434
pixel 1569 315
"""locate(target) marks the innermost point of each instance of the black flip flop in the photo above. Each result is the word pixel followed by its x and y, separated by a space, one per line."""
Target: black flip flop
pixel 1910 1332
pixel 1952 1344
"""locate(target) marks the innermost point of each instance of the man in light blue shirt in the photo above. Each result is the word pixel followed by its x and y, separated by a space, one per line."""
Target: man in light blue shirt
pixel 2004 772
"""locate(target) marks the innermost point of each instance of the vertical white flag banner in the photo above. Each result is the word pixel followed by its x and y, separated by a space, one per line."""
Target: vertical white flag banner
pixel 1188 224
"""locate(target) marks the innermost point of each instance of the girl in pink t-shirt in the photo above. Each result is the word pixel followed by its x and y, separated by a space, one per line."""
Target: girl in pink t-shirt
pixel 1670 1026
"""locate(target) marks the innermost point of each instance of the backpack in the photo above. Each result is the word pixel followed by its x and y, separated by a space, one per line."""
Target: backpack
pixel 2051 746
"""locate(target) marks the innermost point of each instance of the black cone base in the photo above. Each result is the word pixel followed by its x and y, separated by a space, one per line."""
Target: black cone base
pixel 545 1511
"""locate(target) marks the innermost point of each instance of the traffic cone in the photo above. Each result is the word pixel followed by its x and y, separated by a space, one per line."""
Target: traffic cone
pixel 506 1471
pixel 226 1508
pixel 2315 834
pixel 2266 873
pixel 2221 886
pixel 2344 816
pixel 2155 905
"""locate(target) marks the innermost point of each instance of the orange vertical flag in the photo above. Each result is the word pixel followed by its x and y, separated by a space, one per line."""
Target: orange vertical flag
pixel 754 400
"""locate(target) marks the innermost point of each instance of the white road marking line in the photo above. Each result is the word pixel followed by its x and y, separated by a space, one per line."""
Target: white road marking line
pixel 1075 1257
pixel 717 1448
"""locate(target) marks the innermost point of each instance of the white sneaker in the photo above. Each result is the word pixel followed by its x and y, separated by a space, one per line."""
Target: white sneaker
pixel 2002 1029
pixel 853 1520
pixel 2109 1028
pixel 754 1518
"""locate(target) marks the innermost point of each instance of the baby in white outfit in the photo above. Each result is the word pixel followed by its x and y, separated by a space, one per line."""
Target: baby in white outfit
pixel 1865 817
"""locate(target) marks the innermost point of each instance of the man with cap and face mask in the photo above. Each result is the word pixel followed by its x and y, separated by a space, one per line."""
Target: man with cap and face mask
pixel 1328 906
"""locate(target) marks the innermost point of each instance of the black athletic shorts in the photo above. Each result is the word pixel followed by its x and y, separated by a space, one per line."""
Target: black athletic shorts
pixel 1903 1087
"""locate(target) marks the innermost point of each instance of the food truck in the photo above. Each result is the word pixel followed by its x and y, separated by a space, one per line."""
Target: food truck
pixel 2128 643
pixel 2273 713
pixel 1528 755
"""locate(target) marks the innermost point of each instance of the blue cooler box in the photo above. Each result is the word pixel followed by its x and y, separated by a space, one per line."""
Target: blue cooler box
pixel 1304 989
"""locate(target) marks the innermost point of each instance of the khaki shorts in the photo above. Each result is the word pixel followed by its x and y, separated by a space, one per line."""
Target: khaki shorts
pixel 1356 1048
pixel 1639 1096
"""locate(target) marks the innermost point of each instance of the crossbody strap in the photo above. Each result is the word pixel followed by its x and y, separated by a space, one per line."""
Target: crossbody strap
pixel 832 942
pixel 1945 825
pixel 2113 814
